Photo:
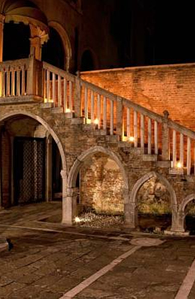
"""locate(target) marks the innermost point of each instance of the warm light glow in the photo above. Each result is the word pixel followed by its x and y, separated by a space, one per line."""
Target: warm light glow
pixel 88 121
pixel 131 139
pixel 96 121
pixel 77 219
pixel 67 110
pixel 178 165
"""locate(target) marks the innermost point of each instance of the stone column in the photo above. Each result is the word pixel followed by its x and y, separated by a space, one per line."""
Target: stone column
pixel 178 221
pixel 48 193
pixel 130 212
pixel 37 39
pixel 2 19
pixel 67 201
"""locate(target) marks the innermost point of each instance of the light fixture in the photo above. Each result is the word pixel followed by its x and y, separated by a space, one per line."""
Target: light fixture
pixel 96 121
pixel 68 110
pixel 131 139
pixel 178 165
pixel 88 121
pixel 77 219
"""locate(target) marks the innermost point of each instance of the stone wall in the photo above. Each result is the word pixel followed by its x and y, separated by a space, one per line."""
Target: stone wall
pixel 158 88
pixel 101 186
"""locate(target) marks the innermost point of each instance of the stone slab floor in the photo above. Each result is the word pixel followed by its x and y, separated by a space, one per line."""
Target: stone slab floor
pixel 47 260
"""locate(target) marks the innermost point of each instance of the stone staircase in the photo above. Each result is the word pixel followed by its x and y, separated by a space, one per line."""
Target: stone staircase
pixel 153 138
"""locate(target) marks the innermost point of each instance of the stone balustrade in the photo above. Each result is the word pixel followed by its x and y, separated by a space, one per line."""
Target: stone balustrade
pixel 137 126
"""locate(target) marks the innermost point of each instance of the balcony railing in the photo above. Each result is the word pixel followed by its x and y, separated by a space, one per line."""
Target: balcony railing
pixel 31 80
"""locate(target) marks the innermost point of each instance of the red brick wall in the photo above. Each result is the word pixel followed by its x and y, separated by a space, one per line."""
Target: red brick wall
pixel 158 88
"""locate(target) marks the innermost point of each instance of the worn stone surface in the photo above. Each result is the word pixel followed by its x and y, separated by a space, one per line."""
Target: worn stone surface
pixel 46 264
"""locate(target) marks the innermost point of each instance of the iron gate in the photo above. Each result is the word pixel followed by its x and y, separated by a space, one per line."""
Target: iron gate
pixel 29 170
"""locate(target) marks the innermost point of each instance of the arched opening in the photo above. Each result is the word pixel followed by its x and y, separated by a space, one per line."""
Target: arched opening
pixel 87 61
pixel 98 183
pixel 155 203
pixel 16 41
pixel 27 161
pixel 153 206
pixel 53 50
pixel 189 214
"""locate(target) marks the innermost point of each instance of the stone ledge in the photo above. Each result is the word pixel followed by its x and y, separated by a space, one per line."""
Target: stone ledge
pixel 175 171
pixel 20 100
pixel 176 233
pixel 77 121
pixel 46 105
pixel 56 110
pixel 164 164
pixel 149 158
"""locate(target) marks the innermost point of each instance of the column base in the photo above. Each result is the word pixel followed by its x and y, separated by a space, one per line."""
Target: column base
pixel 176 233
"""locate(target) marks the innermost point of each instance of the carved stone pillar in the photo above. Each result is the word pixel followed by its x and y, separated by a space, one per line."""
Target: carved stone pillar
pixel 130 213
pixel 67 201
pixel 37 39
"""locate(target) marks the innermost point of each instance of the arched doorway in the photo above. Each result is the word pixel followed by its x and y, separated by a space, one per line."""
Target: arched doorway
pixel 53 50
pixel 187 214
pixel 27 162
pixel 155 203
pixel 98 180
pixel 16 41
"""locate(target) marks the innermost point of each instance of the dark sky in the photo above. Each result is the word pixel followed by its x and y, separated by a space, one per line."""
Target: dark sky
pixel 174 31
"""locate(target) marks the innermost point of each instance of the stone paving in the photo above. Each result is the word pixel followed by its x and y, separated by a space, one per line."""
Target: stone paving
pixel 47 264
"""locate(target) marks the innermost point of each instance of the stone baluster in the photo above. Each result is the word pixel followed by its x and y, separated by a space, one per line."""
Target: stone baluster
pixel 59 91
pixel 174 149
pixel 54 87
pixel 105 113
pixel 135 128
pixel 165 137
pixel 156 137
pixel 65 97
pixel 111 117
pixel 99 110
pixel 77 96
pixel 128 123
pixel 119 117
pixel 188 156
pixel 149 136
pixel 70 96
pixel 142 130
pixel 181 155
pixel 92 106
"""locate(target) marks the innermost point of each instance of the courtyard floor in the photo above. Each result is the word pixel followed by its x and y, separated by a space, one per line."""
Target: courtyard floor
pixel 49 260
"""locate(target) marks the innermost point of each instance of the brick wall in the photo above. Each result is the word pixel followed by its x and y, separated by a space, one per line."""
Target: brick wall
pixel 158 88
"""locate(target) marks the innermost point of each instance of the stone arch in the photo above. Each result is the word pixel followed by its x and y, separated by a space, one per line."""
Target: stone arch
pixel 77 164
pixel 65 41
pixel 45 124
pixel 137 186
pixel 182 213
pixel 186 200
pixel 144 179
